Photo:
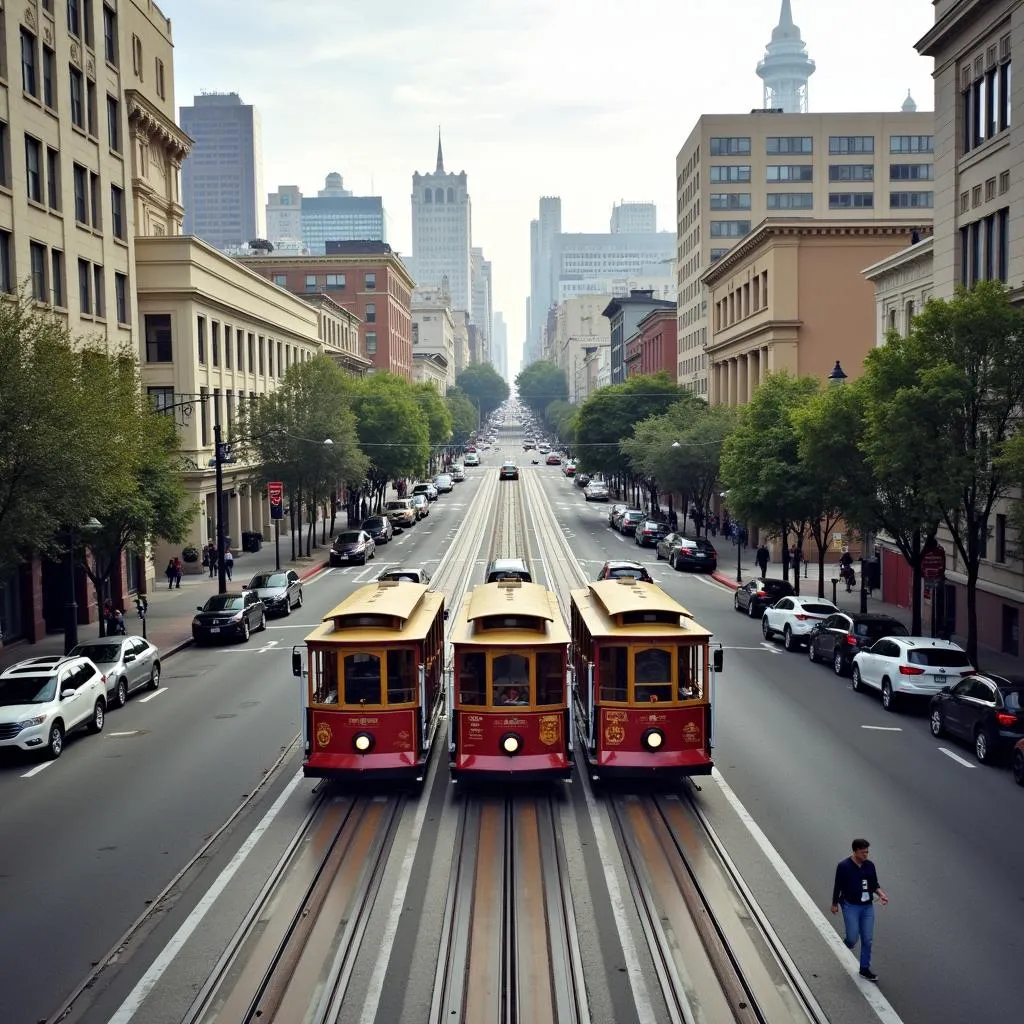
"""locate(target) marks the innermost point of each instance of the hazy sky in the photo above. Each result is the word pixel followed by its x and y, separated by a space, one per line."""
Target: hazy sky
pixel 586 99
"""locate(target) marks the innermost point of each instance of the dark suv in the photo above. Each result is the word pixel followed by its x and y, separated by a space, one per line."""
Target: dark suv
pixel 839 637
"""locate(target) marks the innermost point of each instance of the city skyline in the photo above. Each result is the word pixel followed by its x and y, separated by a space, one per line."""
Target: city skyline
pixel 592 139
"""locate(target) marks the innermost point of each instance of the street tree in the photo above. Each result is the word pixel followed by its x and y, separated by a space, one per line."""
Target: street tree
pixel 562 420
pixel 439 419
pixel 484 386
pixel 540 384
pixel 463 414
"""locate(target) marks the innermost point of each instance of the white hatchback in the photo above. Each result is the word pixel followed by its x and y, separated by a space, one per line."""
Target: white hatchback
pixel 910 665
pixel 795 617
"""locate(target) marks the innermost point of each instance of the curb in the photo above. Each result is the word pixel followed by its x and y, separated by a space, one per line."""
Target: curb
pixel 725 580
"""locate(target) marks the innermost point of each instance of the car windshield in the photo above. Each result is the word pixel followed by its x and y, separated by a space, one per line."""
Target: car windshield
pixel 268 579
pixel 876 630
pixel 104 654
pixel 939 657
pixel 410 577
pixel 225 603
pixel 634 517
pixel 819 609
pixel 777 586
pixel 395 506
pixel 29 690
pixel 373 524
pixel 420 489
pixel 627 572
pixel 349 537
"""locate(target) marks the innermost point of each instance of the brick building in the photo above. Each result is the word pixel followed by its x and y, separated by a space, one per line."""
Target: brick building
pixel 652 348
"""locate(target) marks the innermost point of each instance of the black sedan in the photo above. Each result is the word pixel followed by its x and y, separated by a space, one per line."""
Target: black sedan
pixel 756 595
pixel 693 553
pixel 649 533
pixel 353 547
pixel 838 638
pixel 379 528
pixel 229 616
pixel 280 592
pixel 985 710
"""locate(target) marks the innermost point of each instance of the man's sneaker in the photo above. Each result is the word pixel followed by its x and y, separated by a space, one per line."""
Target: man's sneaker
pixel 866 972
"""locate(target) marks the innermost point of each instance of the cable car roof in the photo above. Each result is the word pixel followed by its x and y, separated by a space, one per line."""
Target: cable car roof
pixel 510 597
pixel 510 614
pixel 615 607
pixel 381 612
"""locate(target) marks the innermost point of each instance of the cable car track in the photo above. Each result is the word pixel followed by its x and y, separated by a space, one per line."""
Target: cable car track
pixel 509 950
pixel 292 956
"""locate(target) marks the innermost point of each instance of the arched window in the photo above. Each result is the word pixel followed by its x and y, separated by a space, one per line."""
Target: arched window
pixel 427 195
pixel 451 195
pixel 439 195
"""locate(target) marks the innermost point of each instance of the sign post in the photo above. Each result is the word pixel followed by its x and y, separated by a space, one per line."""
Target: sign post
pixel 275 493
pixel 933 570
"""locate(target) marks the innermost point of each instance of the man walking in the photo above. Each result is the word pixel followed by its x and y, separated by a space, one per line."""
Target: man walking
pixel 762 560
pixel 854 890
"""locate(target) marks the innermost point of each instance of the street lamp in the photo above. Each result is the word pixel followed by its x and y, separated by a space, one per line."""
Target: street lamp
pixel 90 526
pixel 837 376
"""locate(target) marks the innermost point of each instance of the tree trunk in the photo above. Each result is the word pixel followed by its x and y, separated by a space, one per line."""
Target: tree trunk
pixel 291 522
pixel 784 540
pixel 972 612
pixel 334 510
pixel 97 585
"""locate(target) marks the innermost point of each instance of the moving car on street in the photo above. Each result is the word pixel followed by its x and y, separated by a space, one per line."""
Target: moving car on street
pixel 508 471
pixel 508 569
pixel 630 520
pixel 125 662
pixel 445 483
pixel 231 616
pixel 421 503
pixel 596 490
pixel 401 513
pixel 398 574
pixel 621 569
pixel 648 533
pixel 472 459
pixel 428 490
pixel 280 592
pixel 458 474
pixel 353 547
pixel 379 528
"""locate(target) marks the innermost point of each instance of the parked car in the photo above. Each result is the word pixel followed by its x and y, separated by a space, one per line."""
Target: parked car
pixel 596 490
pixel 379 528
pixel 630 520
pixel 398 574
pixel 458 474
pixel 984 710
pixel 428 490
pixel 508 569
pixel 621 569
pixel 794 617
pixel 615 514
pixel 43 699
pixel 508 471
pixel 581 480
pixel 554 459
pixel 839 637
pixel 693 553
pixel 401 513
pixel 569 469
pixel 902 666
pixel 1017 763
pixel 232 615
pixel 648 532
pixel 280 592
pixel 125 662
pixel 472 459
pixel 421 503
pixel 444 483
pixel 353 547
pixel 756 595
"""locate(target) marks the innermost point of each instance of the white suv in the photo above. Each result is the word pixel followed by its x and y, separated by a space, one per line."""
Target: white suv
pixel 910 665
pixel 43 699
pixel 795 617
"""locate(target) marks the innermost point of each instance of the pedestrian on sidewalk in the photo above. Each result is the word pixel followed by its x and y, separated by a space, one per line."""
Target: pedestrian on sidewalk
pixel 229 562
pixel 211 558
pixel 761 558
pixel 179 571
pixel 796 558
pixel 170 573
pixel 119 626
pixel 854 891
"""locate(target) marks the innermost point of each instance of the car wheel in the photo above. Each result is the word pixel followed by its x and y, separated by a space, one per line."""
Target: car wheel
pixel 855 680
pixel 982 746
pixel 121 693
pixel 736 602
pixel 751 610
pixel 287 605
pixel 766 631
pixel 298 602
pixel 888 697
pixel 838 665
pixel 935 723
pixel 263 622
pixel 55 745
pixel 154 678
pixel 1017 767
pixel 99 715
pixel 788 641
pixel 811 656
pixel 245 630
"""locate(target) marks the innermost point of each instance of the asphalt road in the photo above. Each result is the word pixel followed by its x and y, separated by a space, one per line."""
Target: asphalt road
pixel 816 764
pixel 89 840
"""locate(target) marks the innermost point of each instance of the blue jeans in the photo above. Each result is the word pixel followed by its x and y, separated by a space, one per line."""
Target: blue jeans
pixel 860 924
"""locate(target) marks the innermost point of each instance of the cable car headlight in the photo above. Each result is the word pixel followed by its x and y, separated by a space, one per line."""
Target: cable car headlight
pixel 511 743
pixel 653 739
pixel 363 742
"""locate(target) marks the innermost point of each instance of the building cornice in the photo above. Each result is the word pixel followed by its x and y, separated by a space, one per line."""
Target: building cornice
pixel 796 228
pixel 954 22
pixel 370 259
pixel 752 331
pixel 911 254
pixel 155 125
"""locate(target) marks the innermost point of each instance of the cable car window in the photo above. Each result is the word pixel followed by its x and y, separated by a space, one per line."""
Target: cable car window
pixel 401 676
pixel 362 679
pixel 612 674
pixel 550 678
pixel 652 675
pixel 689 662
pixel 510 677
pixel 325 677
pixel 472 678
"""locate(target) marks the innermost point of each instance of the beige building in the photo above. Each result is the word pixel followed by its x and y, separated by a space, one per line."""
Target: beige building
pixel 433 339
pixel 460 325
pixel 791 296
pixel 903 284
pixel 735 170
pixel 579 329
pixel 338 331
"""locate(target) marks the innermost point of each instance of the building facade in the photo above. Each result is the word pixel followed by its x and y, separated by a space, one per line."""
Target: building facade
pixel 338 334
pixel 370 280
pixel 579 327
pixel 460 326
pixel 624 314
pixel 630 218
pixel 433 338
pixel 499 345
pixel 735 170
pixel 481 312
pixel 442 229
pixel 903 283
pixel 543 232
pixel 652 347
pixel 222 180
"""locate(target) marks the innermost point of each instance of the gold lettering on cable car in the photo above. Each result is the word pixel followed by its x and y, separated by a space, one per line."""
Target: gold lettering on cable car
pixel 323 735
pixel 691 732
pixel 549 731
pixel 614 734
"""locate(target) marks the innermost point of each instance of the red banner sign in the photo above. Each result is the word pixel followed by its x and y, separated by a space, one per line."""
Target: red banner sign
pixel 933 564
pixel 275 492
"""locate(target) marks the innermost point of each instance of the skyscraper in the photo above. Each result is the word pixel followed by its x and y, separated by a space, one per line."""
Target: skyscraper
pixel 332 215
pixel 543 233
pixel 786 68
pixel 441 231
pixel 480 312
pixel 633 218
pixel 499 345
pixel 222 179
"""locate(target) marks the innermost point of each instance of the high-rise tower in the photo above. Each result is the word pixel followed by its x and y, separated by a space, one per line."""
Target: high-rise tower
pixel 786 68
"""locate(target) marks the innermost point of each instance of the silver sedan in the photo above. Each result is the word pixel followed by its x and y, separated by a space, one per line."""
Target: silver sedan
pixel 125 662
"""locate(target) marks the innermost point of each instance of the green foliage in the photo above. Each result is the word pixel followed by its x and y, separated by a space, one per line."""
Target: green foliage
pixel 393 428
pixel 561 417
pixel 540 384
pixel 439 419
pixel 484 386
pixel 463 414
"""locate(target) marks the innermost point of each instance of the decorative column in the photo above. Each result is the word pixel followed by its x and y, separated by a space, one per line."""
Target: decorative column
pixel 234 519
pixel 732 382
pixel 742 387
pixel 753 373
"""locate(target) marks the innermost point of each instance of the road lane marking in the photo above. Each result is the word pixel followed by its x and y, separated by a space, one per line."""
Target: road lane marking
pixel 295 625
pixel 769 646
pixel 38 768
pixel 883 728
pixel 150 696
pixel 883 1009
pixel 956 757
pixel 133 1002
pixel 129 732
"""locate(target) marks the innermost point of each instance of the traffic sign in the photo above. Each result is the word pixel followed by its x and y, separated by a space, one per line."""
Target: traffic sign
pixel 933 563
pixel 275 492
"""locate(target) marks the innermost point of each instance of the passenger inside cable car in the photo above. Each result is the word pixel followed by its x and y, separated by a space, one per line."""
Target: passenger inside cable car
pixel 512 696
pixel 362 679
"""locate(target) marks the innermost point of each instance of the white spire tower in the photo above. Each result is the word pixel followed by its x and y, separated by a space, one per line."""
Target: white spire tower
pixel 786 68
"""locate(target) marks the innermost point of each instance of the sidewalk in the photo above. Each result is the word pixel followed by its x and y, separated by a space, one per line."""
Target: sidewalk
pixel 992 659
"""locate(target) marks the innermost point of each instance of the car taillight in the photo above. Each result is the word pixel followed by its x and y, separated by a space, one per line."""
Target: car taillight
pixel 801 618
pixel 761 593
pixel 911 670
pixel 713 553
pixel 1006 718
pixel 851 640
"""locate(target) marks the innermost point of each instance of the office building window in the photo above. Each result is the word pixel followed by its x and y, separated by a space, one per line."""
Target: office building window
pixel 6 262
pixel 114 123
pixel 49 78
pixel 29 79
pixel 75 17
pixel 911 172
pixel 37 265
pixel 252 353
pixel 77 99
pixel 161 399
pixel 842 144
pixel 281 280
pixel 159 347
pixel 1000 538
pixel 370 282
pixel 117 211
pixel 99 292
pixel 335 281
pixel 81 182
pixel 985 249
pixel 95 202
pixel 717 254
pixel 735 174
pixel 790 200
pixel 911 200
pixel 371 312
pixel 311 282
pixel 92 124
pixel 911 144
pixel 1004 95
pixel 371 343
pixel 280 364
pixel 262 354
pixel 110 35
pixel 851 172
pixel 161 85
pixel 729 228
pixel 201 338
pixel 789 172
pixel 851 200
pixel 53 179
pixel 121 298
pixel 240 348
pixel 791 144
pixel 227 346
pixel 5 161
pixel 270 357
pixel 204 417
pixel 1003 259
pixel 739 146
pixel 87 27
pixel 34 168
pixel 84 286
pixel 730 200
pixel 57 277
pixel 215 342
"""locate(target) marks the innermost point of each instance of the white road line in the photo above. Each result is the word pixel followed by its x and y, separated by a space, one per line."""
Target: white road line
pixel 883 728
pixel 38 768
pixel 296 625
pixel 129 732
pixel 956 757
pixel 883 1009
pixel 133 1002
pixel 150 696
pixel 769 646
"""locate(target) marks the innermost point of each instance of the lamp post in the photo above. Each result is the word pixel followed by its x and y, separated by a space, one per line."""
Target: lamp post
pixel 91 525
pixel 837 376
pixel 739 547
